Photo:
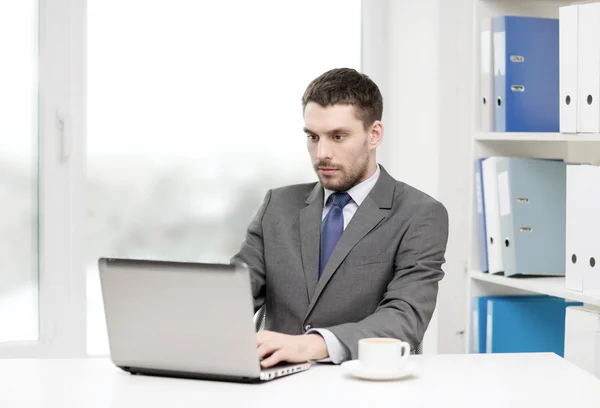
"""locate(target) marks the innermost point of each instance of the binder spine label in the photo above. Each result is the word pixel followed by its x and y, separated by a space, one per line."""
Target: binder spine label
pixel 503 193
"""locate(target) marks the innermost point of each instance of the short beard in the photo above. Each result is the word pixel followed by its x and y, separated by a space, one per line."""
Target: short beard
pixel 354 174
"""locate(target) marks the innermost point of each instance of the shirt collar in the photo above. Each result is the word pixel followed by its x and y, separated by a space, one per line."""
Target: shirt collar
pixel 359 192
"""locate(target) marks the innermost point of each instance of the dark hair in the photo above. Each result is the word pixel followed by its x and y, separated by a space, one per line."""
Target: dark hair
pixel 349 87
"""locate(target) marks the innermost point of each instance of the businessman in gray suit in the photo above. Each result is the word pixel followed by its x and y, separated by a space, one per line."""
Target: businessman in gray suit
pixel 356 254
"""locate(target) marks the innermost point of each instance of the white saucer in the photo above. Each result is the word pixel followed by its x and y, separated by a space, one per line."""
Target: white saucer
pixel 357 369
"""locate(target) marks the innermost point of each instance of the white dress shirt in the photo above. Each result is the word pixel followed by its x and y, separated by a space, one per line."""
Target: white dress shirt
pixel 336 350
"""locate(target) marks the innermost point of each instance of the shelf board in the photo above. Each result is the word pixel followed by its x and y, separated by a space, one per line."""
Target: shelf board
pixel 552 286
pixel 536 137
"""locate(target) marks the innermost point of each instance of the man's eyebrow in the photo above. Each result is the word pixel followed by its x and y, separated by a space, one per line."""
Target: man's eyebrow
pixel 330 132
pixel 338 130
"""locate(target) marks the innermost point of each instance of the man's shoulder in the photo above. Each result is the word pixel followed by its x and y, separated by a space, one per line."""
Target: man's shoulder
pixel 292 192
pixel 414 198
pixel 406 197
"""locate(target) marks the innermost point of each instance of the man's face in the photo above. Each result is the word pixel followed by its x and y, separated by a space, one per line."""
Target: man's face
pixel 341 150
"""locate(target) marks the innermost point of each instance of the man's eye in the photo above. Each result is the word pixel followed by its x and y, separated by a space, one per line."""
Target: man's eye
pixel 314 138
pixel 338 137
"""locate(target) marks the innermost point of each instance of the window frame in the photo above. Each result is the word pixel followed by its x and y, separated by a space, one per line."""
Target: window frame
pixel 61 184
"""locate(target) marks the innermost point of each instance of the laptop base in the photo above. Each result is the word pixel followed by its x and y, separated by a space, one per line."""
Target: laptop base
pixel 189 375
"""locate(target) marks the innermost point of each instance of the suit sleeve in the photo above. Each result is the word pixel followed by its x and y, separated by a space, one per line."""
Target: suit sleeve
pixel 252 254
pixel 411 296
pixel 336 350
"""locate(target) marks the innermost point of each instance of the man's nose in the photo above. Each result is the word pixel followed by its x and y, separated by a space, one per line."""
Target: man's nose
pixel 324 150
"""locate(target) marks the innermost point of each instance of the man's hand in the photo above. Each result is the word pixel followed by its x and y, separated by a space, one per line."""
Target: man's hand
pixel 276 347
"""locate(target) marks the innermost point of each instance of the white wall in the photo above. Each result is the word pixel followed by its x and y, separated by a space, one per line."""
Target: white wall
pixel 420 55
pixel 456 105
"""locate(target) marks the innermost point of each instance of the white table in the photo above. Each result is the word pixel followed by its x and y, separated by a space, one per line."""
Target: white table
pixel 477 380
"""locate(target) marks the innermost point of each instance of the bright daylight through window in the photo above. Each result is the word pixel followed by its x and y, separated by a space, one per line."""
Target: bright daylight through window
pixel 193 113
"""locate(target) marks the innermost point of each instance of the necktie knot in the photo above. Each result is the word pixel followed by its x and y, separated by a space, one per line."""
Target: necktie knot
pixel 340 199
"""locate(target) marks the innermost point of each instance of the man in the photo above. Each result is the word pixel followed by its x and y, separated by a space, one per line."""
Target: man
pixel 357 254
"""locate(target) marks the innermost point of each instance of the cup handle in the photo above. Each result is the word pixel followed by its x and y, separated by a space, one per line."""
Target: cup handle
pixel 404 350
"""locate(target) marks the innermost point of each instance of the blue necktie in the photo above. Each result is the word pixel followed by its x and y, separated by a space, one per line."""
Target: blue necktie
pixel 332 227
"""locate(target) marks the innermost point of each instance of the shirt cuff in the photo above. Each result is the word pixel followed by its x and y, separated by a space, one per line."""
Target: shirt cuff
pixel 336 350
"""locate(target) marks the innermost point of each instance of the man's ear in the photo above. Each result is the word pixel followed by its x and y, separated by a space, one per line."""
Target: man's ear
pixel 376 134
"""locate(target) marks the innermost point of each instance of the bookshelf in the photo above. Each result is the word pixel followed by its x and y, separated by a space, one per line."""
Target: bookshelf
pixel 581 147
pixel 552 286
pixel 536 137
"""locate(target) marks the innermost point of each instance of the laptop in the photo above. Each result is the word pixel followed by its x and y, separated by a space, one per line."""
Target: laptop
pixel 185 320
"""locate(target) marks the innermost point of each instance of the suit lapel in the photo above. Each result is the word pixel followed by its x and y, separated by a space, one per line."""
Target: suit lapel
pixel 366 218
pixel 310 238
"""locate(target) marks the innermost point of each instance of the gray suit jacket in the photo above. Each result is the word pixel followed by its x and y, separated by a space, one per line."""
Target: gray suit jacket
pixel 381 279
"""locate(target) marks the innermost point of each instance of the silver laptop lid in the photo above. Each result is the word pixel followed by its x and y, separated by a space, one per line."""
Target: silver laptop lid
pixel 187 317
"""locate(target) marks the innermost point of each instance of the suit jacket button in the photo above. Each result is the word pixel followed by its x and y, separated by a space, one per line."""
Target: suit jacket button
pixel 307 327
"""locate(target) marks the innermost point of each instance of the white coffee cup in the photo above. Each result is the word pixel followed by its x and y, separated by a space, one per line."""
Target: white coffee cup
pixel 382 352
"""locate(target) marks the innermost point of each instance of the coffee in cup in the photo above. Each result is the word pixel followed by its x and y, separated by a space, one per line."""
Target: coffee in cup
pixel 383 352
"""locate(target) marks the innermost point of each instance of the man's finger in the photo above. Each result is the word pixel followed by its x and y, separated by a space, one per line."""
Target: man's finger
pixel 266 348
pixel 273 359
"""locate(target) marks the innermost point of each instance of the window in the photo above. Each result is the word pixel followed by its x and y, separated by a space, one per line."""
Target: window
pixel 19 317
pixel 193 113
